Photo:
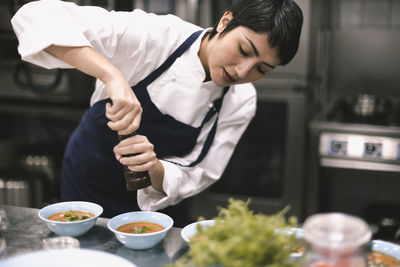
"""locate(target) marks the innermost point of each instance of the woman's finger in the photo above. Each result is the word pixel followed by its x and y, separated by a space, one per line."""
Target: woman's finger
pixel 132 127
pixel 123 123
pixel 143 167
pixel 138 159
pixel 134 145
pixel 116 106
pixel 119 113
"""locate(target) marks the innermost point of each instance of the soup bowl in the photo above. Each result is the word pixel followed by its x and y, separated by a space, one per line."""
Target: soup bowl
pixel 191 229
pixel 70 228
pixel 379 251
pixel 140 241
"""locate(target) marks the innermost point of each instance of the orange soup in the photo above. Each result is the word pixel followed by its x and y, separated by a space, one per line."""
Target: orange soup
pixel 71 215
pixel 140 228
pixel 377 259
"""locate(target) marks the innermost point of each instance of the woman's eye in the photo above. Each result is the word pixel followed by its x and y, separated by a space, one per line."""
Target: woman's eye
pixel 244 53
pixel 260 70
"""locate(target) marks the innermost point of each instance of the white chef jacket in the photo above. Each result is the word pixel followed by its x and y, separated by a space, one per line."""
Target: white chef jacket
pixel 137 43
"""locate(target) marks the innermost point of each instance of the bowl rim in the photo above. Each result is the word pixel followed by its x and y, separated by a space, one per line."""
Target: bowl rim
pixel 386 247
pixel 40 212
pixel 194 224
pixel 170 225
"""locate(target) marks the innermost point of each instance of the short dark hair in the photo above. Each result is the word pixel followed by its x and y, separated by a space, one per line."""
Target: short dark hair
pixel 282 20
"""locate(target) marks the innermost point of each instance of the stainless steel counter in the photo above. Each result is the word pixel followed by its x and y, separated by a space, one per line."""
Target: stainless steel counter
pixel 23 232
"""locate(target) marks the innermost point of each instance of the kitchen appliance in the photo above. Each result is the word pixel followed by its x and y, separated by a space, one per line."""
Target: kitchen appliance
pixel 39 108
pixel 33 138
pixel 267 164
pixel 354 161
pixel 23 81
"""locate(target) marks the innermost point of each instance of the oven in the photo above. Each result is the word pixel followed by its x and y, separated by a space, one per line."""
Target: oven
pixel 354 162
pixel 267 164
pixel 39 109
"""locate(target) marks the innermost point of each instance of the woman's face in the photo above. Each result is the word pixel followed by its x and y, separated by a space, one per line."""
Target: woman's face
pixel 239 56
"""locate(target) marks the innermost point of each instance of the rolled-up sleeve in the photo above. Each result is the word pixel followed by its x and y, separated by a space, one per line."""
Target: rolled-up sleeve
pixel 51 22
pixel 37 28
pixel 238 109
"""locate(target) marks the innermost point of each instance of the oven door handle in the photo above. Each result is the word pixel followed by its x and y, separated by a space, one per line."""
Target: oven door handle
pixel 23 77
pixel 359 165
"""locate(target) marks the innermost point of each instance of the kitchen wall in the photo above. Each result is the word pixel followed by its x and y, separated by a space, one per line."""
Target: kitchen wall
pixel 363 56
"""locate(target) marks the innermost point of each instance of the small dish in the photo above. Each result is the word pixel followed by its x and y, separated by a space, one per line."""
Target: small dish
pixel 145 240
pixel 191 229
pixel 72 228
pixel 60 242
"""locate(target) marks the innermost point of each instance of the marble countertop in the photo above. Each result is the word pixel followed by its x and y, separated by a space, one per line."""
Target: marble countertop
pixel 24 232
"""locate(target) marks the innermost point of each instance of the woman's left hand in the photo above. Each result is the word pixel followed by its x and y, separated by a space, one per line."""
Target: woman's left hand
pixel 144 158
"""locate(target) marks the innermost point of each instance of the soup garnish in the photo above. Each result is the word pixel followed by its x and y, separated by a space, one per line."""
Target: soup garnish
pixel 375 259
pixel 379 259
pixel 70 216
pixel 140 228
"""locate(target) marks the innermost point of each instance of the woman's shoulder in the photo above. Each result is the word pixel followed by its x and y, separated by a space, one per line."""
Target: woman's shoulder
pixel 159 34
pixel 170 27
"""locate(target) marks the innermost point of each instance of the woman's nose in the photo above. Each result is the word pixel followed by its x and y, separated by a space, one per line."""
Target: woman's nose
pixel 243 68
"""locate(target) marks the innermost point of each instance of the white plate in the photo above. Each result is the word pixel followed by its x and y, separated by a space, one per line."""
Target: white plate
pixel 66 258
pixel 191 229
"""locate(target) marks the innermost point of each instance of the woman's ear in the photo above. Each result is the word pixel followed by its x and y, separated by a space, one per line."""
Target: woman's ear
pixel 225 19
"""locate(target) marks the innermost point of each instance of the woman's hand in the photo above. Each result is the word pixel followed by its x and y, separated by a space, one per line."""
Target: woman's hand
pixel 144 158
pixel 125 111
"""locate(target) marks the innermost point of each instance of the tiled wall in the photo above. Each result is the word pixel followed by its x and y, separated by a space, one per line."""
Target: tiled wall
pixel 378 14
pixel 364 52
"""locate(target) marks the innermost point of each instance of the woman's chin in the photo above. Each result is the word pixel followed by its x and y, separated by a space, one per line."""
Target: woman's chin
pixel 219 81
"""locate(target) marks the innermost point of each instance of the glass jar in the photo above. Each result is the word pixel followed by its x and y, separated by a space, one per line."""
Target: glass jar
pixel 335 240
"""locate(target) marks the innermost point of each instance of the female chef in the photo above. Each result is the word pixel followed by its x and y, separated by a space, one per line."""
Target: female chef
pixel 186 91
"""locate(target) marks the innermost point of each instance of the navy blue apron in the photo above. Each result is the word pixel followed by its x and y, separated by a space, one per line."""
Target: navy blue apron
pixel 90 171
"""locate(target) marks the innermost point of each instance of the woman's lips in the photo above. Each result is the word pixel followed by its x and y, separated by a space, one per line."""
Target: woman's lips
pixel 228 78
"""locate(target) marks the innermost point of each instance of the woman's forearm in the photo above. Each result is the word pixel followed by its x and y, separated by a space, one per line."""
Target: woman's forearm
pixel 157 176
pixel 87 60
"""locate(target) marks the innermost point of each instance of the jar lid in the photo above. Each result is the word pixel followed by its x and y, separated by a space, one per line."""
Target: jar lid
pixel 336 231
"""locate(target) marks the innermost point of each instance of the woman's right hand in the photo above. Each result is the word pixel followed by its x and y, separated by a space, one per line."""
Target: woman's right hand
pixel 125 111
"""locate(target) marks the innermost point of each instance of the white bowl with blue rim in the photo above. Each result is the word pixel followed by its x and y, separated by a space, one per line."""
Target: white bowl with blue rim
pixel 385 247
pixel 191 229
pixel 298 234
pixel 145 240
pixel 388 248
pixel 70 228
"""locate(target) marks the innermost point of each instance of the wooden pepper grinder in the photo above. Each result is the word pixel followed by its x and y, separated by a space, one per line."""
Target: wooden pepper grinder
pixel 134 180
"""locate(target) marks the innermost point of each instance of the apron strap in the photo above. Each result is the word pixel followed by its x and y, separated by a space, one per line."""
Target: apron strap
pixel 170 60
pixel 210 137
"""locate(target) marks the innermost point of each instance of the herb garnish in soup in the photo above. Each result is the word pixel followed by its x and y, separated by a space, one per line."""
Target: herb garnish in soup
pixel 70 216
pixel 140 228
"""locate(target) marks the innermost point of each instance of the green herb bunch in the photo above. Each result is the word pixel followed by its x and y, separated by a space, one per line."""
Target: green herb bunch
pixel 241 238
